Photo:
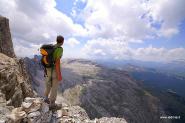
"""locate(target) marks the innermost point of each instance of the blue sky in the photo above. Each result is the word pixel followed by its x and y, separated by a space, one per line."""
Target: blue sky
pixel 66 7
pixel 147 30
pixel 176 41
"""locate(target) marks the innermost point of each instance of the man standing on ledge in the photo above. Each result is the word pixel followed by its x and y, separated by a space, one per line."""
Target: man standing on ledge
pixel 54 74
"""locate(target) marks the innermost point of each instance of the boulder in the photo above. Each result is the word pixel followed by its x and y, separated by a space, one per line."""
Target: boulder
pixel 26 105
pixel 17 114
pixel 34 114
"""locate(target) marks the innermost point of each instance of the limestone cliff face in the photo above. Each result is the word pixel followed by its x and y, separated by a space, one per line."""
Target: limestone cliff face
pixel 6 45
pixel 14 81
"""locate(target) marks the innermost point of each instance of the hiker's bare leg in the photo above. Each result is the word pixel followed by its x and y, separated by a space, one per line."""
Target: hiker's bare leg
pixel 46 91
pixel 47 83
pixel 54 89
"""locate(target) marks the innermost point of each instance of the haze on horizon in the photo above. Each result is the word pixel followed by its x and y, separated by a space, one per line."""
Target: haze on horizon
pixel 146 30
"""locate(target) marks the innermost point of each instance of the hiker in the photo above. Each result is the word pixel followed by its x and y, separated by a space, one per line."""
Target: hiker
pixel 51 62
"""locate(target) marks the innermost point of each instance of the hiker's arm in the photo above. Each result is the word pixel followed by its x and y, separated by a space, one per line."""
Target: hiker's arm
pixel 58 72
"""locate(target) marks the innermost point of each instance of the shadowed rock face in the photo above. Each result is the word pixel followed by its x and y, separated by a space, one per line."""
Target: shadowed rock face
pixel 36 73
pixel 6 45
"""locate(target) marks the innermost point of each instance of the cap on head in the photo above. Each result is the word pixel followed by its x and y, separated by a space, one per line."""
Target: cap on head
pixel 60 39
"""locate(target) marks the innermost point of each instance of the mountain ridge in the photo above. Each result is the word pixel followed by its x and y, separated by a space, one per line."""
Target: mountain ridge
pixel 102 94
pixel 19 102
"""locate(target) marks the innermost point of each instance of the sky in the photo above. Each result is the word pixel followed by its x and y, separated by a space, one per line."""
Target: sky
pixel 146 30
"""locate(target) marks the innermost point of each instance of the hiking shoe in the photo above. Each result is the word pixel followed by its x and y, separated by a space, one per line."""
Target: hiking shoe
pixel 52 106
pixel 55 106
pixel 46 100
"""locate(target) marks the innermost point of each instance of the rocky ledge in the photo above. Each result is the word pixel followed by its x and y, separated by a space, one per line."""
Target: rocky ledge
pixel 35 110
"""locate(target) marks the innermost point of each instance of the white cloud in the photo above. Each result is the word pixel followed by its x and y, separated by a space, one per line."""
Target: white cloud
pixel 169 13
pixel 37 21
pixel 133 18
pixel 168 32
pixel 116 49
pixel 72 42
pixel 159 54
pixel 109 25
pixel 106 48
pixel 24 50
pixel 99 52
pixel 107 19
pixel 136 21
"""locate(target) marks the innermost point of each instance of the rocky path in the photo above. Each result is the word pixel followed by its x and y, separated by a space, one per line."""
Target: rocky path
pixel 35 110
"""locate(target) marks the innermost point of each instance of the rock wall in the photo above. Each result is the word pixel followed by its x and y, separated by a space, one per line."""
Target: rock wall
pixel 14 81
pixel 6 45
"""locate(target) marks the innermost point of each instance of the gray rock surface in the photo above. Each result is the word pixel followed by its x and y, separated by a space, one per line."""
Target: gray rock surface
pixel 6 45
pixel 13 80
pixel 4 109
pixel 67 114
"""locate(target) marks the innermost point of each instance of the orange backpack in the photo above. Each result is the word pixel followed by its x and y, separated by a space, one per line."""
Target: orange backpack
pixel 47 51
